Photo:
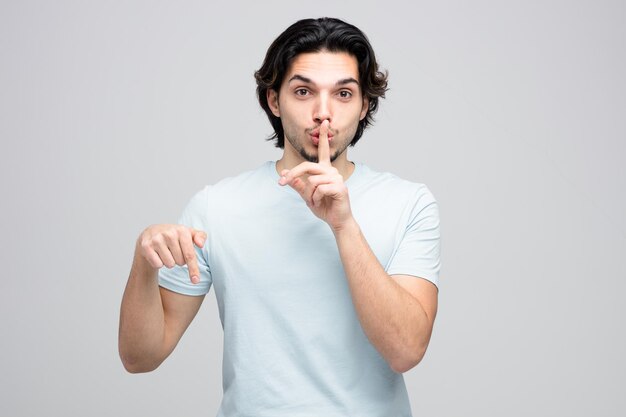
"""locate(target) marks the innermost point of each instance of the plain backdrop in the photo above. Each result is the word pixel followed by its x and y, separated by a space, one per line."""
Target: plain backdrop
pixel 113 114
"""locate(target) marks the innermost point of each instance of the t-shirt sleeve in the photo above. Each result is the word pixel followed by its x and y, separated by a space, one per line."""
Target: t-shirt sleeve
pixel 177 278
pixel 418 251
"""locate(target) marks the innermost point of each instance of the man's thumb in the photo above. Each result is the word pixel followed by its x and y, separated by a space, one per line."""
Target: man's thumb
pixel 199 237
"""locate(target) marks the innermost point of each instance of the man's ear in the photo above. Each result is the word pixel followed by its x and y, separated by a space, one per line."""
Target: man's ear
pixel 365 108
pixel 272 101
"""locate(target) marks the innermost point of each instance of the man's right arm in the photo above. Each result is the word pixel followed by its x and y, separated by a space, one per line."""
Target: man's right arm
pixel 153 319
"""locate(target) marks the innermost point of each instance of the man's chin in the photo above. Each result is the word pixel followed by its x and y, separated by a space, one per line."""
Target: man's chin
pixel 314 158
pixel 308 157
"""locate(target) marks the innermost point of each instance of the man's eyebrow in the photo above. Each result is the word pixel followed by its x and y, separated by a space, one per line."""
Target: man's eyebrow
pixel 300 78
pixel 309 81
pixel 347 81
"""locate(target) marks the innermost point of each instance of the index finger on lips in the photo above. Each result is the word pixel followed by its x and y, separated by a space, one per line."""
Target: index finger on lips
pixel 189 254
pixel 323 147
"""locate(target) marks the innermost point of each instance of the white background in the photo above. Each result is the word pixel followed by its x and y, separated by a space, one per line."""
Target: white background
pixel 113 114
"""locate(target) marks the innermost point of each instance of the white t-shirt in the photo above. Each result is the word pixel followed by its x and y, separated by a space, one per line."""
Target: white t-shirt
pixel 293 344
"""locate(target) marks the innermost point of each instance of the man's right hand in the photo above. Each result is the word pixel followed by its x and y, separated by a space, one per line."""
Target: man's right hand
pixel 171 244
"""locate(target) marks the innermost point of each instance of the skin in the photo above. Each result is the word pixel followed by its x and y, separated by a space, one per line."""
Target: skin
pixel 320 104
pixel 152 318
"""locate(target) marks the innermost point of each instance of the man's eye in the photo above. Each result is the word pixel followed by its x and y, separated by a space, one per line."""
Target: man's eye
pixel 302 92
pixel 345 94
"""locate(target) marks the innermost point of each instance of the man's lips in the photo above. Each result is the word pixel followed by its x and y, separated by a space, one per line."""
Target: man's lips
pixel 315 136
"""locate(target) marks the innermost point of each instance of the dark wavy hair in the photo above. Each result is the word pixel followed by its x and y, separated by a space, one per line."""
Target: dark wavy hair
pixel 314 35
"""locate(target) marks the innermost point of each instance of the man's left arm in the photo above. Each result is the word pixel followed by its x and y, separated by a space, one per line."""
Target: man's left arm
pixel 396 312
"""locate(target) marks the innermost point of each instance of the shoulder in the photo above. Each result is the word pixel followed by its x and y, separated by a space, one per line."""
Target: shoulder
pixel 245 180
pixel 239 184
pixel 225 196
pixel 393 186
pixel 235 193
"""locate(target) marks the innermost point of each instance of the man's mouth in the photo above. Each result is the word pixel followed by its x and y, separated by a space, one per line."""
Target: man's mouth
pixel 315 136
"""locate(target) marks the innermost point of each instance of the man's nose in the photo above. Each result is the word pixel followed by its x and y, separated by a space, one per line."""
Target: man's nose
pixel 322 110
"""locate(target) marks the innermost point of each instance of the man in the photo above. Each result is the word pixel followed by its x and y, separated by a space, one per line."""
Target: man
pixel 324 270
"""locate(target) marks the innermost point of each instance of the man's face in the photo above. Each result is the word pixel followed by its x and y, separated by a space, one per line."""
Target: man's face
pixel 319 86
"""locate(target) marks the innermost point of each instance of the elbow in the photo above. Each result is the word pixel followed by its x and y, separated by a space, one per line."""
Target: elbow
pixel 407 360
pixel 137 368
pixel 136 365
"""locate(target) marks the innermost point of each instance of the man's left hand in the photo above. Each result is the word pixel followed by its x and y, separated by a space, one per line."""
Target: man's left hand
pixel 321 185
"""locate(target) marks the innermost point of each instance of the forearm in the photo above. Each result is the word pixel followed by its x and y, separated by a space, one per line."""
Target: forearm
pixel 393 320
pixel 142 324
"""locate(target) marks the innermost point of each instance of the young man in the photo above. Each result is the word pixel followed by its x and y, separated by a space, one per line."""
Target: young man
pixel 324 270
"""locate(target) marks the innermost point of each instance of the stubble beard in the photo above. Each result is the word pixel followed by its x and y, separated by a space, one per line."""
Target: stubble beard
pixel 297 145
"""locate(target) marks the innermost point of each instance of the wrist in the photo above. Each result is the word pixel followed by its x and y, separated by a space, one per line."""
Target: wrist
pixel 349 228
pixel 141 265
